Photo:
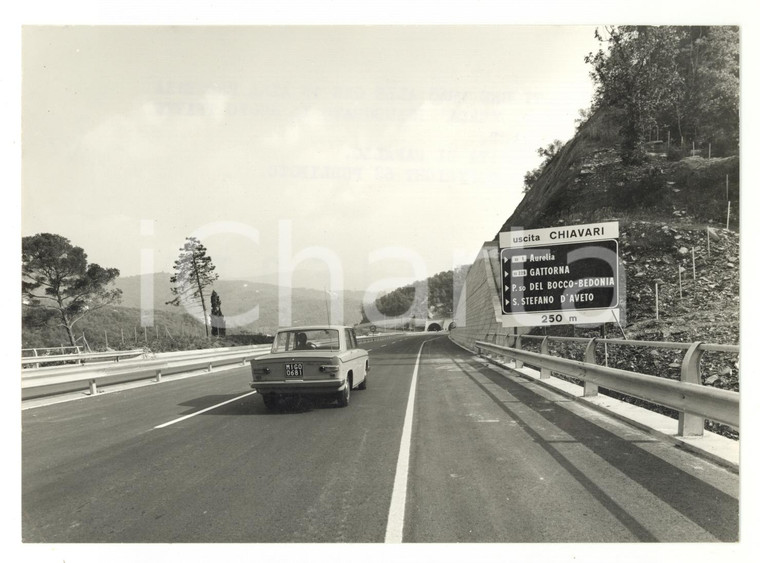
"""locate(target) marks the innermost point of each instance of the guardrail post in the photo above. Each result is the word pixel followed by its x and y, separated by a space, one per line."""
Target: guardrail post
pixel 590 389
pixel 93 387
pixel 545 372
pixel 158 376
pixel 691 424
pixel 509 342
pixel 209 367
pixel 504 339
pixel 518 346
pixel 505 344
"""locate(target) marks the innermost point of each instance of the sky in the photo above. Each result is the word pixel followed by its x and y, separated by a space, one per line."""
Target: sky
pixel 390 151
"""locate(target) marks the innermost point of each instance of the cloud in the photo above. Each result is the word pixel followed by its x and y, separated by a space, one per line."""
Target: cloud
pixel 126 136
pixel 153 129
pixel 302 129
pixel 215 104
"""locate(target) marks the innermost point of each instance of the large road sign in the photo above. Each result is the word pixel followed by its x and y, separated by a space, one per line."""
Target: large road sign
pixel 560 275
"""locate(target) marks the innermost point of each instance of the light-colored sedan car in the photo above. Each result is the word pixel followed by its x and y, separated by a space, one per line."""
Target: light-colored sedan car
pixel 315 360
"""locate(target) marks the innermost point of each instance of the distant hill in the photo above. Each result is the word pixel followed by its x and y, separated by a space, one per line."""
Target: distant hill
pixel 434 297
pixel 240 296
pixel 121 326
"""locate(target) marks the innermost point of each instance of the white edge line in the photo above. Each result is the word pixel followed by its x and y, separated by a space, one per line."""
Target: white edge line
pixel 394 532
pixel 165 424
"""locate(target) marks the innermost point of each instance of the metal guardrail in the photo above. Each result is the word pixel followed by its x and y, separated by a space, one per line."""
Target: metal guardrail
pixel 689 397
pixel 207 351
pixel 95 374
pixel 30 352
pixel 145 354
pixel 80 358
pixel 643 343
pixel 145 368
pixel 379 336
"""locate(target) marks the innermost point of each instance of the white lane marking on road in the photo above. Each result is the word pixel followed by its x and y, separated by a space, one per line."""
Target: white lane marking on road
pixel 165 424
pixel 394 532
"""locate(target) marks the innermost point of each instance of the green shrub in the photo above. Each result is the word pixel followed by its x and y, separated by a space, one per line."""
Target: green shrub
pixel 648 191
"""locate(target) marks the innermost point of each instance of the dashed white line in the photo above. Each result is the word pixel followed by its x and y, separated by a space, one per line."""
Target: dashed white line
pixel 165 424
pixel 394 532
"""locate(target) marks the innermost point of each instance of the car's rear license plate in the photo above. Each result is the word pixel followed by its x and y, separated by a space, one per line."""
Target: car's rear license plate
pixel 294 370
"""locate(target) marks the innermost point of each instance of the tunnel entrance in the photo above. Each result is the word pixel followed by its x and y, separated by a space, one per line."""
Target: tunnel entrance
pixel 434 327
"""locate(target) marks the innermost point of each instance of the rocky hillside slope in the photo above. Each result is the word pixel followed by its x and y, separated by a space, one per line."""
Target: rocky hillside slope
pixel 681 263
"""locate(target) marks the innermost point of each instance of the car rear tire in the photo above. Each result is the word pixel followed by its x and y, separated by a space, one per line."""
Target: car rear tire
pixel 363 385
pixel 345 396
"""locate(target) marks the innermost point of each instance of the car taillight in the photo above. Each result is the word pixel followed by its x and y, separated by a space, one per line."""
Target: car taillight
pixel 329 368
pixel 261 371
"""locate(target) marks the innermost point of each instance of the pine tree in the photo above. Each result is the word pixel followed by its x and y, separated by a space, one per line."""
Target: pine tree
pixel 56 280
pixel 194 273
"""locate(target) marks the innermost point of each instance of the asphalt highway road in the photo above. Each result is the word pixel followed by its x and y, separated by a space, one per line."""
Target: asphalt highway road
pixel 485 457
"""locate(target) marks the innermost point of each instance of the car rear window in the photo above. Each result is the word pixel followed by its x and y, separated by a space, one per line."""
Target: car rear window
pixel 317 339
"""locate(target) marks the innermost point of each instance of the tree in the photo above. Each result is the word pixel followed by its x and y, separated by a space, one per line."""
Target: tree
pixel 365 318
pixel 403 301
pixel 441 294
pixel 547 153
pixel 194 273
pixel 218 326
pixel 550 151
pixel 56 278
pixel 710 59
pixel 638 73
pixel 679 77
pixel 530 179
